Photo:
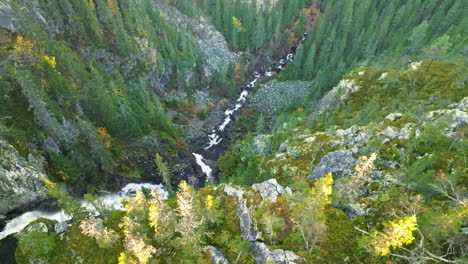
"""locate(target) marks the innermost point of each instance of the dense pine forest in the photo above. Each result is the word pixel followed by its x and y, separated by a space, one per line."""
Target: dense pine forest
pixel 233 131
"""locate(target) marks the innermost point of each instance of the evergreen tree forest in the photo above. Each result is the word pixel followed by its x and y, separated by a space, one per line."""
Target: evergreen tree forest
pixel 233 131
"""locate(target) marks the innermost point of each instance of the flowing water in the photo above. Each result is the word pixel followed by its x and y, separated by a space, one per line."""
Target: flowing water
pixel 218 134
pixel 113 200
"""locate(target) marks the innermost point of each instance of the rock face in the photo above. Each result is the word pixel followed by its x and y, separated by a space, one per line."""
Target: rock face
pixel 39 227
pixel 270 189
pixel 354 135
pixel 337 95
pixel 403 133
pixel 7 18
pixel 246 222
pixel 456 115
pixel 212 46
pixel 394 116
pixel 339 163
pixel 61 227
pixel 21 186
pixel 216 256
pixel 262 254
pixel 274 95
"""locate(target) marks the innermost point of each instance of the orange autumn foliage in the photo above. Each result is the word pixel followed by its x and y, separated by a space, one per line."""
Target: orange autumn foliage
pixel 237 71
pixel 105 136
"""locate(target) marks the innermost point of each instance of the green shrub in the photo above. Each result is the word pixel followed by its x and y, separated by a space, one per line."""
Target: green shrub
pixel 35 245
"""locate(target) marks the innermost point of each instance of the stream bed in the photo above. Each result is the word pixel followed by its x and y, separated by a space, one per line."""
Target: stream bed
pixel 213 150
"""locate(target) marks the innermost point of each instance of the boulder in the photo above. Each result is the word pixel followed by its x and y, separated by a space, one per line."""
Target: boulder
pixel 39 227
pixel 216 256
pixel 340 163
pixel 457 117
pixel 404 133
pixel 336 96
pixel 270 189
pixel 354 210
pixel 354 135
pixel 462 105
pixel 61 227
pixel 262 254
pixel 50 145
pixel 394 116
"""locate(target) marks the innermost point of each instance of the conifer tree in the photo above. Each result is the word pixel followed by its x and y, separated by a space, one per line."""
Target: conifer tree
pixel 188 221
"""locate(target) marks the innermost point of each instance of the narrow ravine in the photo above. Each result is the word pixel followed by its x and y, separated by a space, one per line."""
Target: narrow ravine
pixel 213 149
pixel 110 199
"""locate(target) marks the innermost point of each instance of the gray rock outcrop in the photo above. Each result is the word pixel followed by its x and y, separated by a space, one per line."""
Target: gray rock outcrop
pixel 39 227
pixel 403 133
pixel 61 227
pixel 354 135
pixel 216 256
pixel 262 254
pixel 246 222
pixel 7 17
pixel 212 46
pixel 259 250
pixel 271 97
pixel 393 117
pixel 336 96
pixel 270 189
pixel 340 163
pixel 260 143
pixel 20 180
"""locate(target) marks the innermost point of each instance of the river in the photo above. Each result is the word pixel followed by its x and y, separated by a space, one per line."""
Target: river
pixel 207 152
pixel 111 199
pixel 219 133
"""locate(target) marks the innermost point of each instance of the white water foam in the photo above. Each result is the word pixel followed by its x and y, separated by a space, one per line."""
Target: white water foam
pixel 225 123
pixel 204 167
pixel 112 200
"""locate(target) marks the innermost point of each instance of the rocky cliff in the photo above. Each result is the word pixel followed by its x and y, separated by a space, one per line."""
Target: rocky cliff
pixel 21 185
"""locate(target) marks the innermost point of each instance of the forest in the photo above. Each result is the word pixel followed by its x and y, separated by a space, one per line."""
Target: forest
pixel 337 130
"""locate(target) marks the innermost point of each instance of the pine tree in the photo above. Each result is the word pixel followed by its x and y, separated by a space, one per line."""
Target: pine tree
pixel 188 222
pixel 259 34
pixel 163 171
pixel 418 35
pixel 309 64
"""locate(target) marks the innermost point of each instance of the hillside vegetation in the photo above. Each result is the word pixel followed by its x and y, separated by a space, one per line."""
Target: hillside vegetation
pixel 355 153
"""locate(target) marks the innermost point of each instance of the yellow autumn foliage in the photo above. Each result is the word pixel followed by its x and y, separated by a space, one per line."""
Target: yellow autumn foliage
pixel 209 202
pixel 113 6
pixel 238 24
pixel 395 234
pixel 153 216
pixel 323 190
pixel 50 60
pixel 23 47
pixel 125 258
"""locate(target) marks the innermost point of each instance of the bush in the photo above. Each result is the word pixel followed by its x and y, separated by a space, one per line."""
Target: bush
pixel 203 113
pixel 63 168
pixel 35 245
